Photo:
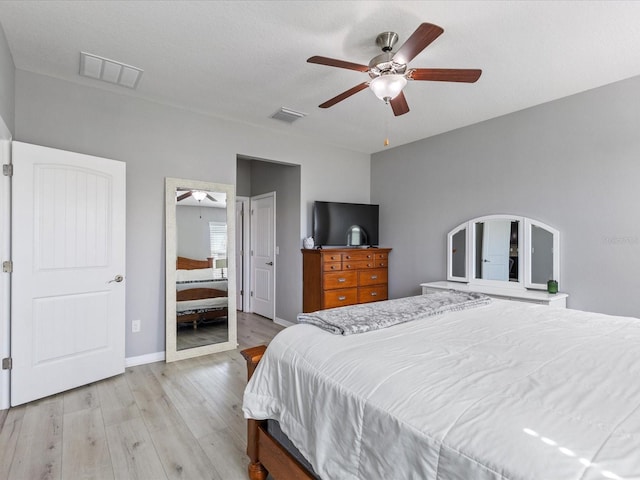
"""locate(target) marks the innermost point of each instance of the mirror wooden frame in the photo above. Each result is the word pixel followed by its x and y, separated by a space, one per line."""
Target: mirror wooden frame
pixel 525 228
pixel 171 352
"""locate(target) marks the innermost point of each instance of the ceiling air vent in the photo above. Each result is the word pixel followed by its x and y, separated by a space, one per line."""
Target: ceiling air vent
pixel 110 71
pixel 288 115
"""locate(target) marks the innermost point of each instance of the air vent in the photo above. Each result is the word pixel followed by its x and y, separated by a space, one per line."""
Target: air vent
pixel 288 115
pixel 109 71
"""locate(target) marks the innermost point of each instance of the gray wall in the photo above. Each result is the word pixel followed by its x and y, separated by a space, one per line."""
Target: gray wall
pixel 573 163
pixel 158 141
pixel 7 86
pixel 192 224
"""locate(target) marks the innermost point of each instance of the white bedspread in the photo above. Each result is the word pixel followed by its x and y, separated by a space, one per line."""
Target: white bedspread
pixel 203 303
pixel 507 391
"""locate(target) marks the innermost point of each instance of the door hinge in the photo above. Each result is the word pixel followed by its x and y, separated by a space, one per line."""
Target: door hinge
pixel 7 363
pixel 252 211
pixel 241 293
pixel 7 266
pixel 7 170
pixel 252 293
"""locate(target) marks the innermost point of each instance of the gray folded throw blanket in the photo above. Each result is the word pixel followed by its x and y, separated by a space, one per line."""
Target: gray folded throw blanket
pixel 373 316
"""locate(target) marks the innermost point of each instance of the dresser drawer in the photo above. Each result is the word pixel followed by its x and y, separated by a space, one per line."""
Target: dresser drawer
pixel 372 277
pixel 340 297
pixel 333 280
pixel 372 294
pixel 332 257
pixel 381 262
pixel 358 255
pixel 357 264
pixel 332 266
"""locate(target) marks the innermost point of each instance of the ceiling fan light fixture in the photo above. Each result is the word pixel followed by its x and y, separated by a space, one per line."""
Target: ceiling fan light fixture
pixel 198 195
pixel 388 87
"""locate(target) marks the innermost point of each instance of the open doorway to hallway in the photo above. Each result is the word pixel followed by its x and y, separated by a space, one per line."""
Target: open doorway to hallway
pixel 257 180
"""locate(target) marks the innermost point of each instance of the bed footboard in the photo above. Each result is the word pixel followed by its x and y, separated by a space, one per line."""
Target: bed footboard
pixel 266 455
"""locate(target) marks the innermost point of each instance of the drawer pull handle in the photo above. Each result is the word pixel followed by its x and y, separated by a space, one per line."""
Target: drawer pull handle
pixel 374 294
pixel 342 297
pixel 369 265
pixel 333 267
pixel 374 277
pixel 348 257
pixel 342 280
pixel 347 266
pixel 368 256
pixel 382 264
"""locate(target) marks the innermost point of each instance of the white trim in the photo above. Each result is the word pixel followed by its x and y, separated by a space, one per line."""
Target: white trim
pixel 5 254
pixel 284 323
pixel 144 359
pixel 246 250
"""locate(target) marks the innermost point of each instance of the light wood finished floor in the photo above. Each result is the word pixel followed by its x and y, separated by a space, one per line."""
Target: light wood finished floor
pixel 157 421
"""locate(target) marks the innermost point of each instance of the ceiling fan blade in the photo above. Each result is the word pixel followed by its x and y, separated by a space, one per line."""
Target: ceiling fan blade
pixel 344 95
pixel 399 105
pixel 332 62
pixel 445 74
pixel 418 41
pixel 183 196
pixel 211 198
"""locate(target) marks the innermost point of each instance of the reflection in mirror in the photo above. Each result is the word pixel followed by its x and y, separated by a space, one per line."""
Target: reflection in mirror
pixel 497 250
pixel 459 254
pixel 200 295
pixel 201 287
pixel 541 255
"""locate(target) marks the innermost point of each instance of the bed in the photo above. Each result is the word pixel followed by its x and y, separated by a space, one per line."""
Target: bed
pixel 199 297
pixel 504 391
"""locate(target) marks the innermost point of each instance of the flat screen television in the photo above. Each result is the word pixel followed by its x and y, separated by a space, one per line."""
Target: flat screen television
pixel 345 224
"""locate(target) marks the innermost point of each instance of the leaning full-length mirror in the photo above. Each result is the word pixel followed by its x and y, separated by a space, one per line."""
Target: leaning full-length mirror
pixel 200 268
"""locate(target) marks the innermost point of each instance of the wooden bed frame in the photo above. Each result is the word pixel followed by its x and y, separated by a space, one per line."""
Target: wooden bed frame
pixel 198 293
pixel 266 454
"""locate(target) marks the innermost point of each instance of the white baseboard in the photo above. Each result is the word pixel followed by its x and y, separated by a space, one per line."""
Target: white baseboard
pixel 144 359
pixel 283 323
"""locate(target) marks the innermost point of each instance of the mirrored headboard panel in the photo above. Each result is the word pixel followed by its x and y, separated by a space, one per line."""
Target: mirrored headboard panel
pixel 504 250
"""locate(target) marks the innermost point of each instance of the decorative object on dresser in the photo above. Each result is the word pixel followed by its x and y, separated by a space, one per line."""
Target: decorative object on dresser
pixel 338 277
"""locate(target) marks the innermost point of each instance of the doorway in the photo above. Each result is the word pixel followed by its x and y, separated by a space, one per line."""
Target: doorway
pixel 255 178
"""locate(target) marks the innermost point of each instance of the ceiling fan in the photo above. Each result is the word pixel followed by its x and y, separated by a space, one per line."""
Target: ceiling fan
pixel 199 195
pixel 389 71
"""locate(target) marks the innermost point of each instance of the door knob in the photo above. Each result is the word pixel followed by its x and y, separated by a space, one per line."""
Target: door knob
pixel 269 263
pixel 486 261
pixel 117 279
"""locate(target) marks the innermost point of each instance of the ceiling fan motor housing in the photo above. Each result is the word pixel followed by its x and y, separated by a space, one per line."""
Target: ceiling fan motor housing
pixel 383 64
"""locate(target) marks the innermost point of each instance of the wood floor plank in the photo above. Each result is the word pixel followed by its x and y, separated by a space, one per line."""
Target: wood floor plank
pixel 81 398
pixel 133 454
pixel 9 438
pixel 229 458
pixel 85 450
pixel 41 432
pixel 116 400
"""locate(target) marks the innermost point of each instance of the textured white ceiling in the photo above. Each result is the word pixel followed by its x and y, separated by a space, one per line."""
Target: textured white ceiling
pixel 245 60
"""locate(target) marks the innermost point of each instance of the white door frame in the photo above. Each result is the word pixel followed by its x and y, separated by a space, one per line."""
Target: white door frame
pixel 5 254
pixel 246 250
pixel 275 251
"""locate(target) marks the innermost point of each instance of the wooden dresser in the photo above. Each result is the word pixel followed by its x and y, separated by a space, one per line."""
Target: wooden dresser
pixel 338 277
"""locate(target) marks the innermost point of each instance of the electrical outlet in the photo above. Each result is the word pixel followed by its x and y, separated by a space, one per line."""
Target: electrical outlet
pixel 135 326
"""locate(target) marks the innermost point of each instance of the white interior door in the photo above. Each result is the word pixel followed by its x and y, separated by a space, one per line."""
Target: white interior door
pixel 495 250
pixel 263 241
pixel 68 249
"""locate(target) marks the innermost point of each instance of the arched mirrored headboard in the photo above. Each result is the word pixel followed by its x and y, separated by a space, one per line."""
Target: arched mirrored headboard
pixel 504 250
